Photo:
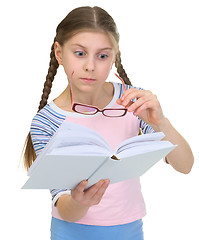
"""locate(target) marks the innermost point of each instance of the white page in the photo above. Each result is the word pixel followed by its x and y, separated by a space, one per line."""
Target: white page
pixel 69 133
pixel 128 143
pixel 75 134
pixel 147 147
pixel 80 150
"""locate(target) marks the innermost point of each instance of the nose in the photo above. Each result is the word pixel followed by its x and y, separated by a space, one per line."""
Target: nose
pixel 89 64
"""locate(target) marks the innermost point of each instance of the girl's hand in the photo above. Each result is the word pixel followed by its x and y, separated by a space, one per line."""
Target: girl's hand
pixel 146 107
pixel 91 196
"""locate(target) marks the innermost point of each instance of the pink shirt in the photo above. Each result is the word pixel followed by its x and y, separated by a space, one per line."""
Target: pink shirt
pixel 122 202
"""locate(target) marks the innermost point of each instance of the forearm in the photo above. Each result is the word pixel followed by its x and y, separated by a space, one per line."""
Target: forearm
pixel 69 209
pixel 181 158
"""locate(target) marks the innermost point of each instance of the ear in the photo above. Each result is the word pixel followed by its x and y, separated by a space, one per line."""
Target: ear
pixel 58 52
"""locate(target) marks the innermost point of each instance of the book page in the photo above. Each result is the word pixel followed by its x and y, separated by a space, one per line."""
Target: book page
pixel 144 148
pixel 83 149
pixel 72 134
pixel 139 140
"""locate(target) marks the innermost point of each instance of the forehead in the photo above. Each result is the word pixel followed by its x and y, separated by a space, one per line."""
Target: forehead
pixel 95 40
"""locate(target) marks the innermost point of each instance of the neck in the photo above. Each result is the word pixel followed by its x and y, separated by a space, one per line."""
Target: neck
pixel 99 97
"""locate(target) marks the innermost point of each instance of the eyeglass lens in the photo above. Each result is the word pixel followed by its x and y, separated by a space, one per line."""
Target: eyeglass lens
pixel 114 112
pixel 85 109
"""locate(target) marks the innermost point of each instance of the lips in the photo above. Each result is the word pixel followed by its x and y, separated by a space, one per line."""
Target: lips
pixel 88 79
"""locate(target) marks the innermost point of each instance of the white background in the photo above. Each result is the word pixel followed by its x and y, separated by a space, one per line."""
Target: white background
pixel 160 52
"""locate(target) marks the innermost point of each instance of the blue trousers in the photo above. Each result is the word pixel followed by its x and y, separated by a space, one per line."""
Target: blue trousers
pixel 62 230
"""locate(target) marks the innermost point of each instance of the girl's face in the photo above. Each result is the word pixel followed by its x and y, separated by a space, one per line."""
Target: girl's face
pixel 90 55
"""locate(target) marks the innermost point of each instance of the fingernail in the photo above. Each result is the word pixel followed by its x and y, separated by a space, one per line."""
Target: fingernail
pixel 100 182
pixel 107 181
pixel 122 98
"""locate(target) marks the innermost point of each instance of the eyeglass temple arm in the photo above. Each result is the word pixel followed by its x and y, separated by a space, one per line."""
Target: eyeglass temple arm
pixel 71 91
pixel 121 80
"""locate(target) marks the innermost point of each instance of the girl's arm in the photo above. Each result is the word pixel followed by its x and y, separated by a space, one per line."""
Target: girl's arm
pixel 75 206
pixel 181 158
pixel 147 108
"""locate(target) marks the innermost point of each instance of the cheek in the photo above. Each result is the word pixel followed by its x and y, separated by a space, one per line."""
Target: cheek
pixel 104 70
pixel 71 65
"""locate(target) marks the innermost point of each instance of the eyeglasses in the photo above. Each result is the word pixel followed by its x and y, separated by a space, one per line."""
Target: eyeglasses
pixel 91 110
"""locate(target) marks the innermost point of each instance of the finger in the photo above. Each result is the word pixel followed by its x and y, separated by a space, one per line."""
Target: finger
pixel 143 107
pixel 125 94
pixel 119 101
pixel 128 91
pixel 132 96
pixel 99 194
pixel 78 193
pixel 139 102
pixel 81 186
pixel 93 189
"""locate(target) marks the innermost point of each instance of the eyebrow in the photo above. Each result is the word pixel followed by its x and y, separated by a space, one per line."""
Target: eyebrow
pixel 106 48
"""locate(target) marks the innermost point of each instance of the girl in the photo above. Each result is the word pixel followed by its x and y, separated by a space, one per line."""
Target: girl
pixel 87 45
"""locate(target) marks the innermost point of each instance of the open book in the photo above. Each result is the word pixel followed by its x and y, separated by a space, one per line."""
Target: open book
pixel 76 153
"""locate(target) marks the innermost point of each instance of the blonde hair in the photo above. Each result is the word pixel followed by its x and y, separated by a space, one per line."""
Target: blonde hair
pixel 78 20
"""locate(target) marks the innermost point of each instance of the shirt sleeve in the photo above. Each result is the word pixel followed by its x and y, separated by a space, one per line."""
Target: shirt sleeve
pixel 146 128
pixel 42 129
pixel 40 132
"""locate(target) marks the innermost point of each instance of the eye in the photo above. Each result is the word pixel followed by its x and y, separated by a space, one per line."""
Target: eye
pixel 103 56
pixel 79 53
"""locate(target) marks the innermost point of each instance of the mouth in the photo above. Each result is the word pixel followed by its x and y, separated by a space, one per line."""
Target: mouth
pixel 88 80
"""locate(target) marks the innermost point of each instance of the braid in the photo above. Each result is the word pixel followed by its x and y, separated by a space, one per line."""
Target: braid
pixel 121 70
pixel 49 78
pixel 29 152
